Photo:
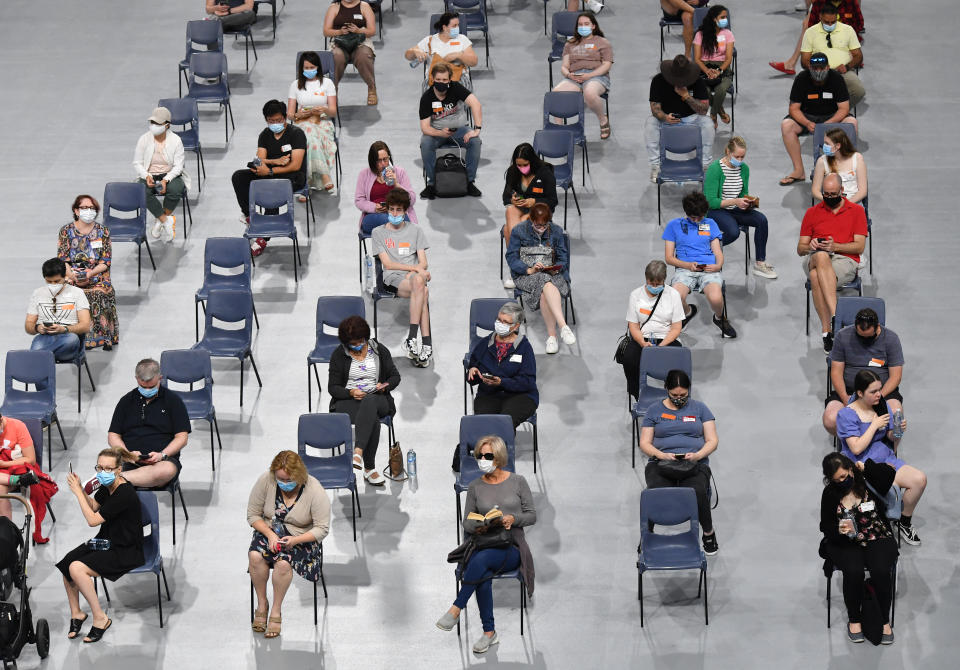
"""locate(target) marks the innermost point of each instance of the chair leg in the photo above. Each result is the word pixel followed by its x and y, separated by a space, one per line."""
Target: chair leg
pixel 79 387
pixel 165 587
pixel 564 210
pixel 323 581
pixel 255 371
pixel 828 601
pixel 256 317
pixel 633 439
pixel 536 448
pixel 575 200
pixel 173 515
pixel 640 594
pixel 49 446
pixel 808 312
pixel 213 462
pixel 242 360
pixel 53 517
pixel 296 277
pixel 706 596
pixel 309 391
pixel 63 440
pixel 523 604
pixel 159 601
pixel 216 427
pixel 459 516
pixel 659 212
pixel 196 321
pixel 150 255
pixel 354 505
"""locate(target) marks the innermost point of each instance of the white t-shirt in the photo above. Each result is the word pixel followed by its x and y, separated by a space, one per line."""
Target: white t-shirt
pixel 314 93
pixel 669 310
pixel 53 304
pixel 431 44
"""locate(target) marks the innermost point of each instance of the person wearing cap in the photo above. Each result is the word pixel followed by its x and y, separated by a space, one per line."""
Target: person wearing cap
pixel 678 96
pixel 840 44
pixel 866 345
pixel 158 161
pixel 819 95
pixel 849 12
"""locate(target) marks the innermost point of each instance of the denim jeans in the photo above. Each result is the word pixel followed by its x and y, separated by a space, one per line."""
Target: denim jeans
pixel 652 135
pixel 429 145
pixel 482 566
pixel 65 346
pixel 730 220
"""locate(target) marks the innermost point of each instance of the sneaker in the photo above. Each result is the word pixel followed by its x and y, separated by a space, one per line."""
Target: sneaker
pixel 411 348
pixel 423 358
pixel 552 345
pixel 29 478
pixel 257 246
pixel 856 638
pixel 595 6
pixel 724 327
pixel 509 284
pixel 475 192
pixel 909 535
pixel 764 269
pixel 693 313
pixel 447 621
pixel 301 197
pixel 886 638
pixel 654 173
pixel 170 228
pixel 485 642
pixel 429 193
pixel 567 336
pixel 156 230
pixel 244 219
pixel 827 343
pixel 92 485
pixel 710 546
pixel 374 477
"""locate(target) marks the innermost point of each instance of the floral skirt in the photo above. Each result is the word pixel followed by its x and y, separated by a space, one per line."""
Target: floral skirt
pixel 303 558
pixel 104 325
pixel 321 150
pixel 532 287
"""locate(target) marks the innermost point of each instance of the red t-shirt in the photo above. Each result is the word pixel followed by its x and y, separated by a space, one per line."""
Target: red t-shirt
pixel 14 432
pixel 850 220
pixel 378 192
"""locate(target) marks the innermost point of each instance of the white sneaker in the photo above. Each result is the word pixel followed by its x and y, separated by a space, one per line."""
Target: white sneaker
pixel 423 358
pixel 411 347
pixel 169 228
pixel 374 477
pixel 595 6
pixel 762 269
pixel 156 230
pixel 654 173
pixel 552 346
pixel 509 283
pixel 567 335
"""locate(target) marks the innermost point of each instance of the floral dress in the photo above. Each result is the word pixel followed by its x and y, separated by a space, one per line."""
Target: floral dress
pixel 304 558
pixel 870 525
pixel 86 252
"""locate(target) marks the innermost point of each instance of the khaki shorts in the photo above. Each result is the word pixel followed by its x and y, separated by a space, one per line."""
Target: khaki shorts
pixel 844 267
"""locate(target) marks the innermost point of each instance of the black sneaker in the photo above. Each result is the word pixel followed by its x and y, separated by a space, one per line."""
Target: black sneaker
pixel 907 534
pixel 429 193
pixel 710 546
pixel 29 478
pixel 827 343
pixel 473 190
pixel 693 313
pixel 724 327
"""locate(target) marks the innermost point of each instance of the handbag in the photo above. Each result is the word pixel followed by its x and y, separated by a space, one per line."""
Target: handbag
pixel 625 339
pixel 348 43
pixel 394 469
pixel 677 470
pixel 499 538
pixel 437 58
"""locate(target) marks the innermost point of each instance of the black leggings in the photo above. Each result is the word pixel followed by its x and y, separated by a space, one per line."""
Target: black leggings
pixel 878 557
pixel 631 365
pixel 519 406
pixel 365 414
pixel 700 484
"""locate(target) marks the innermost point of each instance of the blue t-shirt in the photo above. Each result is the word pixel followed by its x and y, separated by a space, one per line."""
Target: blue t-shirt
pixel 677 431
pixel 693 245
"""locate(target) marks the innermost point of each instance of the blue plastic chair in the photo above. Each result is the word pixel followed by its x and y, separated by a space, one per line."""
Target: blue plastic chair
pixel 203 33
pixel 670 507
pixel 153 560
pixel 475 13
pixel 510 574
pixel 224 253
pixel 558 144
pixel 656 362
pixel 211 66
pixel 483 312
pixel 233 307
pixel 472 428
pixel 563 25
pixel 192 366
pixel 330 432
pixel 273 194
pixel 123 196
pixel 848 306
pixel 567 105
pixel 331 310
pixel 679 140
pixel 184 112
pixel 37 368
pixel 855 285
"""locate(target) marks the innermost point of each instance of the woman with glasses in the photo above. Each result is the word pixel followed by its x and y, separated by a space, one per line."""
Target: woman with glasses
pixel 498 500
pixel 375 183
pixel 290 514
pixel 679 434
pixel 116 550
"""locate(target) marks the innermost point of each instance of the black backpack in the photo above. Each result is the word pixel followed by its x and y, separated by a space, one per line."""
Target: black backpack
pixel 450 176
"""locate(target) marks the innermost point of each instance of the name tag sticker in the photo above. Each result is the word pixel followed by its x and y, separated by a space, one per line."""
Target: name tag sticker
pixel 516 358
pixel 537 189
pixel 454 44
pixel 689 419
pixel 721 38
pixel 359 17
pixel 868 506
pixel 403 249
pixel 589 46
pixel 876 363
pixel 813 96
pixel 97 244
pixel 436 105
pixel 671 417
pixel 827 95
pixel 286 147
pixel 647 312
pixel 704 232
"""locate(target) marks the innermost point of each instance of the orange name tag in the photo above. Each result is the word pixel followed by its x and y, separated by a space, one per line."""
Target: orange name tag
pixel 589 46
pixel 672 417
pixel 704 232
pixel 848 16
pixel 454 44
pixel 67 308
pixel 876 363
pixel 644 311
pixel 537 189
pixel 813 96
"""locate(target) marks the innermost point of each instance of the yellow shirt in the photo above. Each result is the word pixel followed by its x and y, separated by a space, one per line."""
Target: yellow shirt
pixel 843 38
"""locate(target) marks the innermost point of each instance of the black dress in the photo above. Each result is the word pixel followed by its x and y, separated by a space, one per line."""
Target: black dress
pixel 121 525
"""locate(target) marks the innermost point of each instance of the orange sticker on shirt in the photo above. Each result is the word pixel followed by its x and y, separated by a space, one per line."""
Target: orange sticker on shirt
pixel 813 96
pixel 67 308
pixel 454 44
pixel 589 46
pixel 537 189
pixel 672 417
pixel 644 311
pixel 703 232
pixel 876 363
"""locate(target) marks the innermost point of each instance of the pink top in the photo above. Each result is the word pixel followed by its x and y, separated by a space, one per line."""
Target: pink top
pixel 724 37
pixel 365 181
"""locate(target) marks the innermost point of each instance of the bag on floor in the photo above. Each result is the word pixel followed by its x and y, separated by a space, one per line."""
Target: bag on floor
pixel 394 469
pixel 450 176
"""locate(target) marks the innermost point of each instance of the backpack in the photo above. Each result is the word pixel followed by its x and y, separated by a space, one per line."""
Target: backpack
pixel 450 176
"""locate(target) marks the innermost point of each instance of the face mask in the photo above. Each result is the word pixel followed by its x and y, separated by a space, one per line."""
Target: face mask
pixel 87 214
pixel 55 288
pixel 832 202
pixel 395 219
pixel 829 28
pixel 827 150
pixel 355 347
pixel 286 486
pixel 524 169
pixel 441 86
pixel 157 130
pixel 149 393
pixel 486 467
pixel 501 328
pixel 734 162
pixel 584 31
pixel 276 128
pixel 655 290
pixel 845 485
pixel 455 31
pixel 723 23
pixel 309 74
pixel 106 478
pixel 680 402
pixel 819 76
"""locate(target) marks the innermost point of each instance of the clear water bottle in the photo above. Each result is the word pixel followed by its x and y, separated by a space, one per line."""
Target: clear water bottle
pixel 414 63
pixel 370 273
pixel 852 533
pixel 387 180
pixel 897 424
pixel 411 463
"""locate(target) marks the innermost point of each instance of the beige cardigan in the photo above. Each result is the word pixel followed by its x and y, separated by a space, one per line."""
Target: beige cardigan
pixel 172 151
pixel 310 513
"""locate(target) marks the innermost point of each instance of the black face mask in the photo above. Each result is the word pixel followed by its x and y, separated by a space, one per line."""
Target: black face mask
pixel 845 485
pixel 441 86
pixel 832 201
pixel 680 402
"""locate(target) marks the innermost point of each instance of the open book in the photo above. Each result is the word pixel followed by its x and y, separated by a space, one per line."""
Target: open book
pixel 492 516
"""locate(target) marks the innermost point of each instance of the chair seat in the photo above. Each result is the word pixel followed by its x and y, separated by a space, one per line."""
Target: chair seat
pixel 668 552
pixel 688 170
pixel 319 354
pixel 563 175
pixel 190 138
pixel 270 229
pixel 214 282
pixel 209 92
pixel 26 405
pixel 153 565
pixel 648 396
pixel 331 472
pixel 125 230
pixel 575 128
pixel 197 403
pixel 224 346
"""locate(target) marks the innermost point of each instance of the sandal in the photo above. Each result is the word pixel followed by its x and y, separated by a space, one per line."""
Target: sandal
pixel 724 116
pixel 357 462
pixel 259 623
pixel 371 96
pixel 94 634
pixel 75 625
pixel 788 180
pixel 605 130
pixel 273 633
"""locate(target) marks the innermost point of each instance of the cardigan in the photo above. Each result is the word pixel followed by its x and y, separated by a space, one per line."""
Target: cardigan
pixel 517 371
pixel 310 513
pixel 172 151
pixel 365 180
pixel 878 475
pixel 713 183
pixel 339 371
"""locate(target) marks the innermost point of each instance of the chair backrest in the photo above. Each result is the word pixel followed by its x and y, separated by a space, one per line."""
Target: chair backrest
pixel 554 143
pixel 564 105
pixel 204 33
pixel 821 129
pixel 466 6
pixel 563 25
pixel 227 253
pixel 229 306
pixel 31 367
pixel 150 518
pixel 483 312
pixel 324 431
pixel 656 362
pixel 186 366
pixel 327 64
pixel 848 306
pixel 271 193
pixel 331 310
pixel 124 196
pixel 35 428
pixel 475 426
pixel 669 506
pixel 436 17
pixel 208 65
pixel 680 140
pixel 183 111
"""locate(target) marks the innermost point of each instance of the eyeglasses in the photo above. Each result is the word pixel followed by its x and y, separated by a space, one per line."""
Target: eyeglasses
pixel 828 194
pixel 506 323
pixel 486 457
pixel 100 468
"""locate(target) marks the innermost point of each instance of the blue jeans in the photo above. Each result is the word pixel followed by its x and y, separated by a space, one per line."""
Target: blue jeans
pixel 730 220
pixel 65 346
pixel 482 566
pixel 374 220
pixel 429 145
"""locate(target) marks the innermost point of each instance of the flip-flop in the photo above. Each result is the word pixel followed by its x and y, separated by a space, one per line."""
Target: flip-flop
pixel 94 634
pixel 779 66
pixel 787 181
pixel 724 117
pixel 75 625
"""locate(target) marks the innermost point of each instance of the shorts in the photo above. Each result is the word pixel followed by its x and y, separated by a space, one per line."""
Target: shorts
pixel 816 118
pixel 603 79
pixel 696 281
pixel 171 459
pixel 893 395
pixel 844 267
pixel 394 277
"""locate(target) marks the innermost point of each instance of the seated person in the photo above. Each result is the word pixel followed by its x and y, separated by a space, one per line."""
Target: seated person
pixel 281 154
pixel 17 455
pixel 290 515
pixel 727 187
pixel 677 95
pixel 149 428
pixel 443 122
pixel 540 265
pixel 858 536
pixel 449 46
pixel 713 53
pixel 840 157
pixel 361 376
pixel 840 44
pixel 312 107
pixel 819 95
pixel 527 181
pixel 866 345
pixel 351 25
pixel 654 319
pixel 587 59
pixel 233 14
pixel 678 9
pixel 158 162
pixel 58 314
pixel 375 183
pixel 849 13
pixel 402 249
pixel 832 237
pixel 504 369
pixel 679 428
pixel 865 428
pixel 692 246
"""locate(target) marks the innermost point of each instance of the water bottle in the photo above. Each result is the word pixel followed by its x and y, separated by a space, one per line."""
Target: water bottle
pixel 370 273
pixel 411 463
pixel 897 424
pixel 386 180
pixel 848 514
pixel 414 63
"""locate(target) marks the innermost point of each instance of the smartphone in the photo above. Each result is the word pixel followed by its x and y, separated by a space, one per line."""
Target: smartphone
pixel 701 267
pixel 47 324
pixel 255 163
pixel 487 375
pixel 676 116
pixel 821 240
pixel 70 465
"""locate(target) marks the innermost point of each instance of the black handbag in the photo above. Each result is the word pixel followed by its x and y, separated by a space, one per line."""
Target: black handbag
pixel 348 43
pixel 498 538
pixel 625 339
pixel 677 470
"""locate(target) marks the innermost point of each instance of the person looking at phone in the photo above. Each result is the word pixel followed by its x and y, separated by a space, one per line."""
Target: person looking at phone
pixel 290 514
pixel 504 369
pixel 58 314
pixel 374 185
pixel 539 263
pixel 443 122
pixel 692 246
pixel 585 66
pixel 158 162
pixel 832 237
pixel 679 428
pixel 351 25
pixel 362 375
pixel 232 14
pixel 149 429
pixel 678 96
pixel 527 181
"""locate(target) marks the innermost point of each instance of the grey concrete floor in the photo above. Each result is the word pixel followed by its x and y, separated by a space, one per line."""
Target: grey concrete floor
pixel 79 81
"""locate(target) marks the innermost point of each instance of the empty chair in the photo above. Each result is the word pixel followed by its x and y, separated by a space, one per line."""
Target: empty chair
pixel 192 366
pixel 472 428
pixel 224 253
pixel 331 310
pixel 184 112
pixel 36 368
pixel 565 105
pixel 213 85
pixel 230 306
pixel 122 196
pixel 558 144
pixel 677 141
pixel 563 25
pixel 201 33
pixel 473 15
pixel 656 362
pixel 323 432
pixel 273 194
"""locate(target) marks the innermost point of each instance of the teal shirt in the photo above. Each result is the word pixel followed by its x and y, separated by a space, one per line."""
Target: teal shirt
pixel 713 183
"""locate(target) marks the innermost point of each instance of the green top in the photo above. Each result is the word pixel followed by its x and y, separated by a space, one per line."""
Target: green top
pixel 713 183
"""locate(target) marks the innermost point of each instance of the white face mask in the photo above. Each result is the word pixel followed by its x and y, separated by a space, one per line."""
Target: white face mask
pixel 87 214
pixel 501 328
pixel 158 130
pixel 486 467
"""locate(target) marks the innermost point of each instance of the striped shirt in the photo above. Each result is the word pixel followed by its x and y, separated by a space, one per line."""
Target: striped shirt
pixel 363 374
pixel 732 183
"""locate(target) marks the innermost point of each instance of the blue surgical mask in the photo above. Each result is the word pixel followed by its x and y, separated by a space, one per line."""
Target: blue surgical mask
pixel 276 128
pixel 355 347
pixel 829 28
pixel 395 219
pixel 723 23
pixel 584 31
pixel 455 31
pixel 106 478
pixel 309 74
pixel 149 393
pixel 734 162
pixel 286 486
pixel 655 290
pixel 827 150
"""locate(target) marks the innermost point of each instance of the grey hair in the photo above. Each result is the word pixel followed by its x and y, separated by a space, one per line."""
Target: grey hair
pixel 497 446
pixel 514 310
pixel 147 369
pixel 656 271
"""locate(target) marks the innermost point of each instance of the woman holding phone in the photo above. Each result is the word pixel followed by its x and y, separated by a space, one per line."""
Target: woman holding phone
pixel 527 181
pixel 351 25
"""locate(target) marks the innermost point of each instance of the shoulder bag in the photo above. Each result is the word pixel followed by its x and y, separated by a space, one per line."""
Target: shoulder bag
pixel 437 58
pixel 677 471
pixel 348 43
pixel 625 339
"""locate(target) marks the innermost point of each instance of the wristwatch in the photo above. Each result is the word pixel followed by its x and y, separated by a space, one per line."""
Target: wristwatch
pixel 164 457
pixel 477 128
pixel 271 171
